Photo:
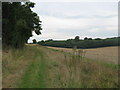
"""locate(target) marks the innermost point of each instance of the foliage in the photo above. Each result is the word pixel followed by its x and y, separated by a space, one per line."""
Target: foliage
pixel 34 41
pixel 18 23
pixel 76 38
pixel 86 43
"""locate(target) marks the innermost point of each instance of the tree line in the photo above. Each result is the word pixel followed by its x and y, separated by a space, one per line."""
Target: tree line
pixel 18 23
pixel 82 43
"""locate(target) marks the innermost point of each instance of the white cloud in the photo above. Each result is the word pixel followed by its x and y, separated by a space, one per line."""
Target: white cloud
pixel 66 20
pixel 55 24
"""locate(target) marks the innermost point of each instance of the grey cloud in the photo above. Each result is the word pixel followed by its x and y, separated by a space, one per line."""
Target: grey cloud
pixel 100 20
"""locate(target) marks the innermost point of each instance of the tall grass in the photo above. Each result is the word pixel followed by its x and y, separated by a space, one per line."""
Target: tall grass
pixel 14 64
pixel 40 67
pixel 36 73
pixel 78 72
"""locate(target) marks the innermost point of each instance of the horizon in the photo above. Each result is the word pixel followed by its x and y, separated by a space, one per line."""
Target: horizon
pixel 74 38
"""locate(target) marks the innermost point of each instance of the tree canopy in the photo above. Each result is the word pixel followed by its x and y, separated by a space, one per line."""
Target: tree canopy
pixel 86 43
pixel 18 23
pixel 34 41
pixel 77 38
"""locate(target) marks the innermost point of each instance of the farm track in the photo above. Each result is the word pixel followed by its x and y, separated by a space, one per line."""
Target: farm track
pixel 50 68
pixel 35 75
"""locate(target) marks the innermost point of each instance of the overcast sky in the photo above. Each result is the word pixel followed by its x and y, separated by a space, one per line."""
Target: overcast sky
pixel 65 20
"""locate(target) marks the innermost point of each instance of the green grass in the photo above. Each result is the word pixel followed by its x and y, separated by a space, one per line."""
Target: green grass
pixel 36 73
pixel 48 68
pixel 106 64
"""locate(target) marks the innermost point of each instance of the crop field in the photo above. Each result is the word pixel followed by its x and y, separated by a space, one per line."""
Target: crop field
pixel 106 54
pixel 37 66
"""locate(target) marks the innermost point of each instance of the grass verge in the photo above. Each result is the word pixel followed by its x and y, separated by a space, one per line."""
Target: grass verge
pixel 40 67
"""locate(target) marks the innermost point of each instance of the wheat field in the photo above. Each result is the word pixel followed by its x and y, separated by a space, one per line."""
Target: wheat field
pixel 106 54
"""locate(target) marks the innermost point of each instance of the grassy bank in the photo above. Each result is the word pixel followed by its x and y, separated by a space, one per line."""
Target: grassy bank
pixel 40 67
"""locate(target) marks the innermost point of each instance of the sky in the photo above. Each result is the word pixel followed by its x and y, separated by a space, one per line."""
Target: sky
pixel 65 20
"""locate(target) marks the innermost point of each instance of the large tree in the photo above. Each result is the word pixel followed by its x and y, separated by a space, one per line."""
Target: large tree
pixel 18 23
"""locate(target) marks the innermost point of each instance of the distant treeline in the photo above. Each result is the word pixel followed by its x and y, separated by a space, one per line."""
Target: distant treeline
pixel 85 43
